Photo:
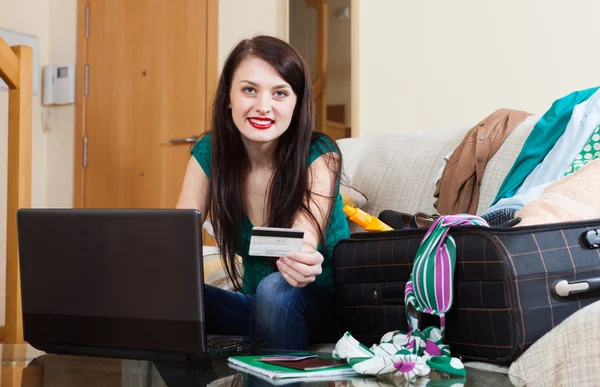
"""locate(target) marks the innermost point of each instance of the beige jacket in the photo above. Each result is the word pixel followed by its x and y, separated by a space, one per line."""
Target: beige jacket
pixel 457 190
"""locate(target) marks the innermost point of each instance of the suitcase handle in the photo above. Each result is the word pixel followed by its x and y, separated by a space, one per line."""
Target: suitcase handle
pixel 591 239
pixel 566 288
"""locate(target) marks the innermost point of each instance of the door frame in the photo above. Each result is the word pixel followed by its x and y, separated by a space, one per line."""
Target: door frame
pixel 212 55
pixel 354 57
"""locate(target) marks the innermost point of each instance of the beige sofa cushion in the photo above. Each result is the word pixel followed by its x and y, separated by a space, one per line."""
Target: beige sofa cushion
pixel 399 170
pixel 568 355
pixel 499 166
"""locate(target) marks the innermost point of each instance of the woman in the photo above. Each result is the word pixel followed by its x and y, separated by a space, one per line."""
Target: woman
pixel 262 164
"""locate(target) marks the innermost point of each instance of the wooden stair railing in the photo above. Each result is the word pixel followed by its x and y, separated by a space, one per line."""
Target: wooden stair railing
pixel 16 69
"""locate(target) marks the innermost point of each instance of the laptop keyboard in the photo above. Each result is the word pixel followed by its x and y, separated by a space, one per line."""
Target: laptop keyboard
pixel 219 344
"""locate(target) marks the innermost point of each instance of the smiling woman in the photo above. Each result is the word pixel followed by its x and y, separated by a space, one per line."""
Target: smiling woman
pixel 263 164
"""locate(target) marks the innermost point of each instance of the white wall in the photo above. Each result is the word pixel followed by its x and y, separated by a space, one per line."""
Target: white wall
pixel 241 19
pixel 437 63
pixel 61 135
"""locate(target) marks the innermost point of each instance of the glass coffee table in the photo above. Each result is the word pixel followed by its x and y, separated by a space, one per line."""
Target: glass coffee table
pixel 23 365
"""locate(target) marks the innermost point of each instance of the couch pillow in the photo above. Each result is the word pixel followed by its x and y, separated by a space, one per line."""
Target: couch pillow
pixel 398 171
pixel 498 166
pixel 572 198
pixel 214 272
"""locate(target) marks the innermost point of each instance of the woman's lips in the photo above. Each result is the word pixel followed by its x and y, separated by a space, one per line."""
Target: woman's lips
pixel 261 122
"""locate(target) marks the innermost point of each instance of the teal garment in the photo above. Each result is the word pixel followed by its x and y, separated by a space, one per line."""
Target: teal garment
pixel 542 138
pixel 256 268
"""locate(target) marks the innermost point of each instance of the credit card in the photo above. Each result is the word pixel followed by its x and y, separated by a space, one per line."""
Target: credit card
pixel 285 357
pixel 275 242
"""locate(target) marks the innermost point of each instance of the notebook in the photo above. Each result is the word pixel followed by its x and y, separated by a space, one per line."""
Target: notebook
pixel 323 366
pixel 125 283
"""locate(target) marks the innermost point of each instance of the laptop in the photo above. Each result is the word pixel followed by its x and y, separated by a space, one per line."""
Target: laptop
pixel 124 283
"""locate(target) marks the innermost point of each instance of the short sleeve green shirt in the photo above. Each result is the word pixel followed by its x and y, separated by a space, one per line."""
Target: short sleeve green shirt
pixel 256 268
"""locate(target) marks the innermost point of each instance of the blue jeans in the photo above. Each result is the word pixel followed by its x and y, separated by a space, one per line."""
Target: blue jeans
pixel 291 318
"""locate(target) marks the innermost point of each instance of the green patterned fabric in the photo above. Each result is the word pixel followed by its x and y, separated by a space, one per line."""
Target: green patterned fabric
pixel 589 152
pixel 430 288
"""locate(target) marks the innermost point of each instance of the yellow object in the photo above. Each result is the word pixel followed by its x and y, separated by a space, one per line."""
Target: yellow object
pixel 364 220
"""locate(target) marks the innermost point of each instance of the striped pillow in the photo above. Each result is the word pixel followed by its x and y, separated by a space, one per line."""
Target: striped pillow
pixel 214 272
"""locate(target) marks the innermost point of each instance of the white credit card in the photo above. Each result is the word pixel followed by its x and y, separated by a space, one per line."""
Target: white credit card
pixel 275 242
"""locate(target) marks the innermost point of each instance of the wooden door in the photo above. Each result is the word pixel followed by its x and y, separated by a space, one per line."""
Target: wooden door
pixel 320 80
pixel 309 34
pixel 309 25
pixel 151 70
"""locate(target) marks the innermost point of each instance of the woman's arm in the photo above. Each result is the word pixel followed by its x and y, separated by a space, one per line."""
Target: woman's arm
pixel 194 192
pixel 301 268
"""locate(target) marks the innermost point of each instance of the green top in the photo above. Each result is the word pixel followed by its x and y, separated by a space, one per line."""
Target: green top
pixel 256 268
pixel 591 151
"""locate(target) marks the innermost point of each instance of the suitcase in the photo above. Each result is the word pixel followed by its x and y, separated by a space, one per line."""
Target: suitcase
pixel 511 285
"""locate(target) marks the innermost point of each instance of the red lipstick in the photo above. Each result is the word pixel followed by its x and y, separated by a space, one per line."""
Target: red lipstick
pixel 261 122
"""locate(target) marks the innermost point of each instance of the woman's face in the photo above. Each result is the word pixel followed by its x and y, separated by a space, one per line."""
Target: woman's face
pixel 262 102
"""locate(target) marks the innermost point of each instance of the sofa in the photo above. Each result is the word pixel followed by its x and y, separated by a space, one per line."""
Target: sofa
pixel 399 171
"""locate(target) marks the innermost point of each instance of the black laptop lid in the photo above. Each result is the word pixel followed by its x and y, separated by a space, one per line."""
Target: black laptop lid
pixel 123 279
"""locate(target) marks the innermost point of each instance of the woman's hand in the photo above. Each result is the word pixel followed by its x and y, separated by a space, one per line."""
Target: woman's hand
pixel 299 268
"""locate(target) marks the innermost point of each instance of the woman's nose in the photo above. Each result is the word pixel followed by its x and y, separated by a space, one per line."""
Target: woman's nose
pixel 263 104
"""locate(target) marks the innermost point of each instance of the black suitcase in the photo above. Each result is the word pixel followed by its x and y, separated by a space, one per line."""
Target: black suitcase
pixel 511 285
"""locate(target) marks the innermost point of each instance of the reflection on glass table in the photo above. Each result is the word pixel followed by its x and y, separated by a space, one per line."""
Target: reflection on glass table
pixel 23 365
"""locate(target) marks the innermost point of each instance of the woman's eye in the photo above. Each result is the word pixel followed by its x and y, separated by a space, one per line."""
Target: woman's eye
pixel 280 94
pixel 249 90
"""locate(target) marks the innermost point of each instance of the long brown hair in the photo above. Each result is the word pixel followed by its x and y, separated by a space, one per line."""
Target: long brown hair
pixel 288 192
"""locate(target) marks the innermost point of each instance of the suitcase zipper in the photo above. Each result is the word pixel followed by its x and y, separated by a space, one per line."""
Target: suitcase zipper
pixel 512 230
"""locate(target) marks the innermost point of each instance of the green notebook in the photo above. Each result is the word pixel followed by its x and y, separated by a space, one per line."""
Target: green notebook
pixel 273 371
